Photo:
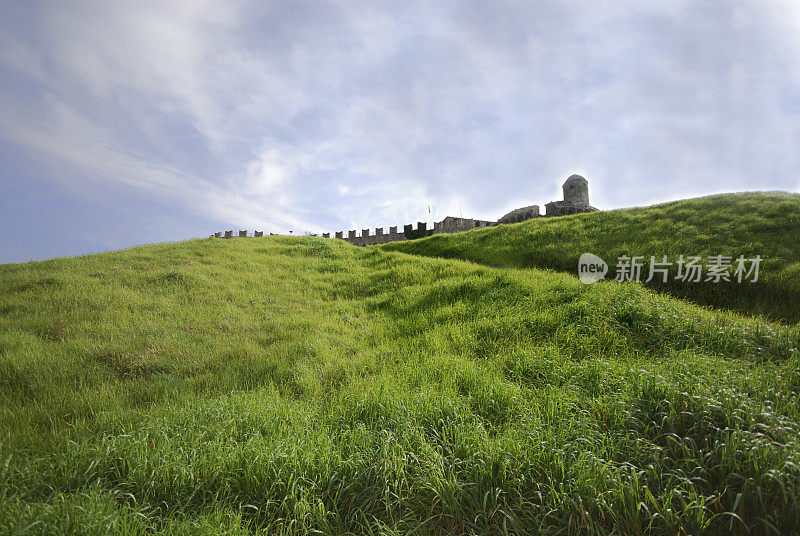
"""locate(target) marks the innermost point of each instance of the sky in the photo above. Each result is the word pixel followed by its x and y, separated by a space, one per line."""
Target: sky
pixel 125 123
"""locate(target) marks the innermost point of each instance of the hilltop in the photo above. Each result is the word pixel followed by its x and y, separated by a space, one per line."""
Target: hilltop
pixel 299 384
pixel 749 224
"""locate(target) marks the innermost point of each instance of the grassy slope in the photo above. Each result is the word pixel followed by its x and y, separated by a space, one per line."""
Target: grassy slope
pixel 766 224
pixel 297 383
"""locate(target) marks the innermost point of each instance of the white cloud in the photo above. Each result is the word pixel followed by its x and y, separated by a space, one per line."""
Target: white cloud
pixel 268 173
pixel 70 140
pixel 320 115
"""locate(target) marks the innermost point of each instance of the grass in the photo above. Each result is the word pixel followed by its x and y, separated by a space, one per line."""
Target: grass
pixel 296 385
pixel 749 224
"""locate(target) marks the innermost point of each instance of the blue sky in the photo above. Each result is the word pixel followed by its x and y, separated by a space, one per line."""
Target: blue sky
pixel 125 123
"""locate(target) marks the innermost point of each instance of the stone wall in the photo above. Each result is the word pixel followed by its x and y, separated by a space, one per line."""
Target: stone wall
pixel 242 234
pixel 520 214
pixel 576 201
pixel 563 208
pixel 456 225
pixel 367 238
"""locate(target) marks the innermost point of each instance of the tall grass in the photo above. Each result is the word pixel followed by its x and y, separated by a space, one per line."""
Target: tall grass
pixel 299 385
pixel 748 224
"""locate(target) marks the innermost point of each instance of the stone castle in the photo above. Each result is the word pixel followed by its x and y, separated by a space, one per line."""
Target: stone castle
pixel 576 201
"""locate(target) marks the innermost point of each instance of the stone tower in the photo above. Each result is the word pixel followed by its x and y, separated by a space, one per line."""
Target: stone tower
pixel 576 191
pixel 576 198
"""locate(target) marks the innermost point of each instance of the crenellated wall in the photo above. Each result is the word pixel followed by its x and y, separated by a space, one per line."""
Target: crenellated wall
pixel 242 234
pixel 576 200
pixel 367 238
pixel 378 236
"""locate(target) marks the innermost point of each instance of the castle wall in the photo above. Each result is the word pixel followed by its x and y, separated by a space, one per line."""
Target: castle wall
pixel 456 225
pixel 563 208
pixel 368 238
pixel 576 201
pixel 377 237
pixel 520 214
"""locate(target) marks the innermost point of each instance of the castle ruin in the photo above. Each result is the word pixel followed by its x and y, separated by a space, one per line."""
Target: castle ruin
pixel 576 201
pixel 576 198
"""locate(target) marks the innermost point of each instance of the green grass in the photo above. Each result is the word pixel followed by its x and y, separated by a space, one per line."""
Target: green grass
pixel 299 385
pixel 749 224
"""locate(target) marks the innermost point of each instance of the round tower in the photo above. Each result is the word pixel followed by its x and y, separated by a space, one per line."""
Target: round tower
pixel 576 191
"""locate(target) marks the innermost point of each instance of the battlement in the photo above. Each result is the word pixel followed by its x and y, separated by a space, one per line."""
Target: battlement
pixel 576 201
pixel 242 234
pixel 409 232
pixel 367 238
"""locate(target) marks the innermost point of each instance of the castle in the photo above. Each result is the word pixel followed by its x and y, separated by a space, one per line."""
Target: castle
pixel 576 201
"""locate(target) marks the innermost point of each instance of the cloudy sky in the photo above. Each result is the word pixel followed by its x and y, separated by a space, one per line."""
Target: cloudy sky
pixel 132 122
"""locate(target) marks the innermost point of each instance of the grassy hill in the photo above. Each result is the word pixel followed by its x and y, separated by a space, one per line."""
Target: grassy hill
pixel 292 385
pixel 749 224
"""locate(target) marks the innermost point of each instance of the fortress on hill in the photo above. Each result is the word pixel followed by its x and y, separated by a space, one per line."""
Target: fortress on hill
pixel 576 201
